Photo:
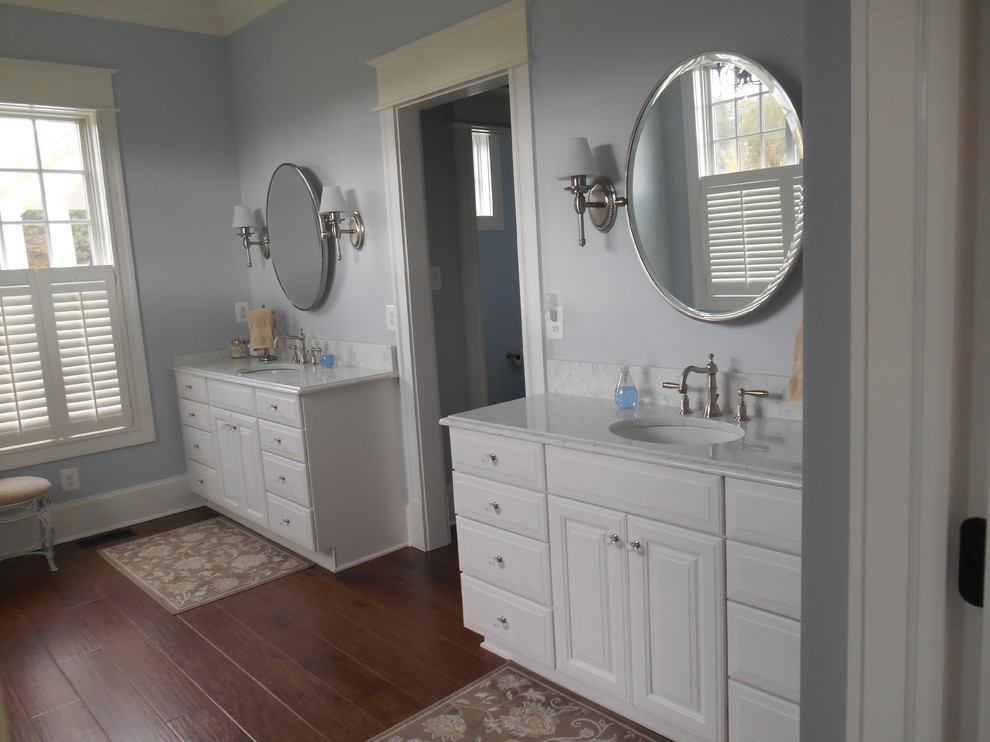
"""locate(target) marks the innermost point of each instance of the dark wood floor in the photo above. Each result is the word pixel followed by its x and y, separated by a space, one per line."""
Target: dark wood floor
pixel 86 655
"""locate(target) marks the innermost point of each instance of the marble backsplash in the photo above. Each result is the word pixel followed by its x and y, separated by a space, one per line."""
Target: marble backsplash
pixel 598 380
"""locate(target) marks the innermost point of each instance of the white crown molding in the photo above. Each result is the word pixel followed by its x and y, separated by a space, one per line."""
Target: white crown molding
pixel 215 17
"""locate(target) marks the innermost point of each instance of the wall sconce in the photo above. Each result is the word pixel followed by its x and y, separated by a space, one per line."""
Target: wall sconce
pixel 333 209
pixel 245 224
pixel 577 164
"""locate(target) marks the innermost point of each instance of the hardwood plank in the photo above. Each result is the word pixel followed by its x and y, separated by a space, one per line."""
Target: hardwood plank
pixel 207 724
pixel 165 687
pixel 116 705
pixel 19 726
pixel 59 630
pixel 340 671
pixel 417 676
pixel 27 669
pixel 69 722
pixel 263 716
pixel 316 702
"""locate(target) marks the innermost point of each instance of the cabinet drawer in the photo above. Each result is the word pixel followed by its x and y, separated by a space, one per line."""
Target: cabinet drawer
pixel 290 479
pixel 234 397
pixel 282 440
pixel 515 563
pixel 763 514
pixel 508 620
pixel 283 408
pixel 499 458
pixel 203 481
pixel 291 521
pixel 757 717
pixel 678 496
pixel 764 579
pixel 514 509
pixel 191 387
pixel 195 414
pixel 765 651
pixel 199 445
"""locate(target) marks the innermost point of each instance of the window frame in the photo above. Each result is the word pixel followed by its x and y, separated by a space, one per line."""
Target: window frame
pixel 43 87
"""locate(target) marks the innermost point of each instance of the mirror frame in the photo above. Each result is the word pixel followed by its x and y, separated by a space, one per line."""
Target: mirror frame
pixel 319 234
pixel 794 123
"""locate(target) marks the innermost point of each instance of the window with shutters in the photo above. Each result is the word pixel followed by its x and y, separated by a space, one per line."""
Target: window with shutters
pixel 749 194
pixel 72 373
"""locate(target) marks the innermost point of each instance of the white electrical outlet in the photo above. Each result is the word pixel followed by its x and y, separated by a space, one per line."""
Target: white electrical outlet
pixel 390 318
pixel 70 479
pixel 555 324
pixel 240 311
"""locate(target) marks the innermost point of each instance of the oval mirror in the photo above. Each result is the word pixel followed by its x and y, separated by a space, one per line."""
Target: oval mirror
pixel 300 254
pixel 714 180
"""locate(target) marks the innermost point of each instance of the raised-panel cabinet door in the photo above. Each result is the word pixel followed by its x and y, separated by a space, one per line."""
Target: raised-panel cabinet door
pixel 588 576
pixel 255 497
pixel 239 453
pixel 676 594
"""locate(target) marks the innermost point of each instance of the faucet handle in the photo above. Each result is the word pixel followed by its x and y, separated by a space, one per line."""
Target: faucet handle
pixel 741 415
pixel 685 403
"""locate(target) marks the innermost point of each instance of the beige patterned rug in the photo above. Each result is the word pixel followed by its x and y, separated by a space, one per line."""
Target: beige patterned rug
pixel 200 563
pixel 510 704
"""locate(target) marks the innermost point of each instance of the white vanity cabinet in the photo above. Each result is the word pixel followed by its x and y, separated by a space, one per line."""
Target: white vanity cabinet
pixel 319 472
pixel 763 568
pixel 673 593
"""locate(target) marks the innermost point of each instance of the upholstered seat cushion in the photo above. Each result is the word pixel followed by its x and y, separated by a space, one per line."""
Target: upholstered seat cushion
pixel 21 489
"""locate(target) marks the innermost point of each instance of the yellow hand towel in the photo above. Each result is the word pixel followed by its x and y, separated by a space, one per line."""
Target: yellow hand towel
pixel 261 323
pixel 795 389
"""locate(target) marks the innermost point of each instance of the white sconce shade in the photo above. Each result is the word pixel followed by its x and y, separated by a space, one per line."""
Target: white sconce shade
pixel 243 217
pixel 576 159
pixel 332 200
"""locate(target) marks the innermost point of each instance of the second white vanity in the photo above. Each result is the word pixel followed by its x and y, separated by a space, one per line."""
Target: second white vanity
pixel 307 456
pixel 661 581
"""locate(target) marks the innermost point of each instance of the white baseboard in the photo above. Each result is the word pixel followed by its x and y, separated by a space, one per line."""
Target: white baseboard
pixel 99 513
pixel 88 516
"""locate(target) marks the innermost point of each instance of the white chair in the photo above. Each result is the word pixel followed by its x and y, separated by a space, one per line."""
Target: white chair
pixel 29 497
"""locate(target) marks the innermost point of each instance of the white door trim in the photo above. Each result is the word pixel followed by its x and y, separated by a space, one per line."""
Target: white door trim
pixel 905 241
pixel 469 56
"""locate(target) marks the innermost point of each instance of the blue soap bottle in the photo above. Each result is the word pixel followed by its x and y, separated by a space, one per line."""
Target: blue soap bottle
pixel 626 395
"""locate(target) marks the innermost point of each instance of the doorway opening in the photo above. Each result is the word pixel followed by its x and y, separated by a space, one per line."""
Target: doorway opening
pixel 473 255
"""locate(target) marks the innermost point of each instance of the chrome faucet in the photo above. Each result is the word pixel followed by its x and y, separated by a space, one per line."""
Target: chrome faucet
pixel 712 408
pixel 296 356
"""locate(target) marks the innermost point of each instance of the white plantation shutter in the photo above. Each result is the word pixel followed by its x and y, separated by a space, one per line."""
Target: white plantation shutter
pixel 73 384
pixel 23 401
pixel 749 227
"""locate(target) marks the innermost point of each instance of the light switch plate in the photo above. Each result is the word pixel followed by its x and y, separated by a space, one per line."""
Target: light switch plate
pixel 390 320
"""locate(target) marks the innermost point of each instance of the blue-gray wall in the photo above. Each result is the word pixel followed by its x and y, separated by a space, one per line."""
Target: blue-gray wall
pixel 180 173
pixel 294 86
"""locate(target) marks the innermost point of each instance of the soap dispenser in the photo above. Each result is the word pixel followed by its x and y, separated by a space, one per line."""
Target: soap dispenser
pixel 626 395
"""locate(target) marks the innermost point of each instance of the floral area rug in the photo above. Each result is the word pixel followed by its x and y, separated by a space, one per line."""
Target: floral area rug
pixel 200 563
pixel 509 705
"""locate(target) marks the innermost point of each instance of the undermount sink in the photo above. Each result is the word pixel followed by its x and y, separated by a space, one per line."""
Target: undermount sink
pixel 677 432
pixel 266 369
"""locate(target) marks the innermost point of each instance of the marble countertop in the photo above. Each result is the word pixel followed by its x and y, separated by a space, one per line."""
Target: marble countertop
pixel 769 451
pixel 299 379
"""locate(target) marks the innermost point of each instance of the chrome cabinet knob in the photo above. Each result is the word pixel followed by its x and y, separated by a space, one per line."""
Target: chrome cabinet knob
pixel 635 546
pixel 490 458
pixel 189 386
pixel 196 446
pixel 277 441
pixel 497 561
pixel 284 521
pixel 493 507
pixel 612 538
pixel 273 407
pixel 281 479
pixel 500 622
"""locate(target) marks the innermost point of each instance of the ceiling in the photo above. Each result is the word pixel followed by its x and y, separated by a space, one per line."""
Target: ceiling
pixel 216 17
